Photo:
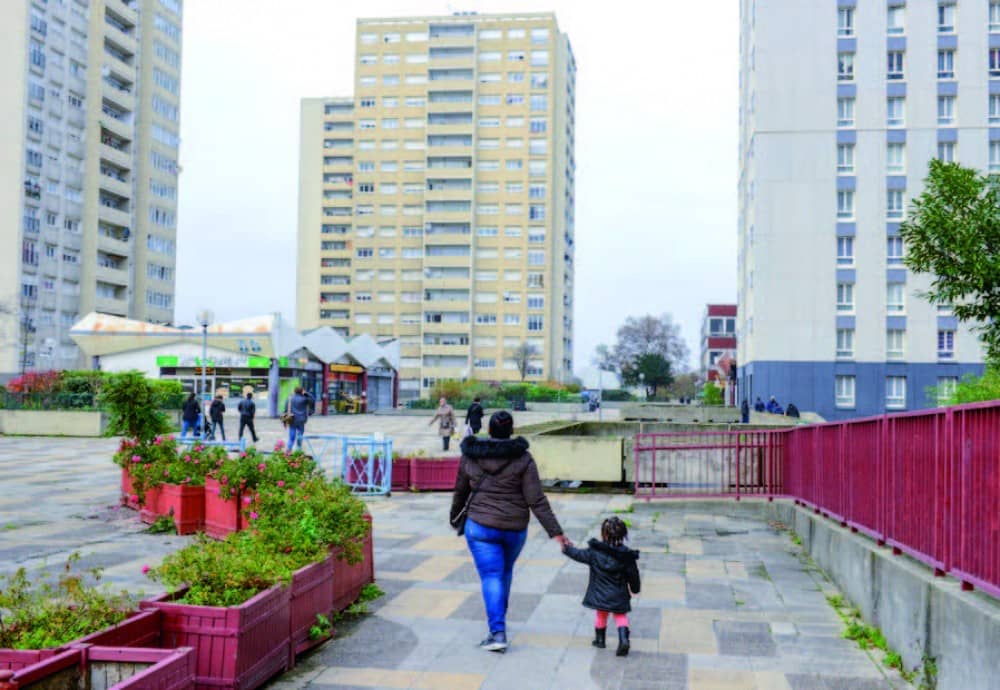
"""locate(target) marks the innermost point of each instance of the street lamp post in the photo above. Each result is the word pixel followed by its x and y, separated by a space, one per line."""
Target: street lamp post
pixel 642 384
pixel 205 317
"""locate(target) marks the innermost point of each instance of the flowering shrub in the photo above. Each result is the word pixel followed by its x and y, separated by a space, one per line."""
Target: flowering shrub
pixel 159 462
pixel 247 469
pixel 51 614
pixel 35 382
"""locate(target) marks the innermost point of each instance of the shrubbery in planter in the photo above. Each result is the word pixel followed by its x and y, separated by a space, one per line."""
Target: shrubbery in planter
pixel 44 614
pixel 156 462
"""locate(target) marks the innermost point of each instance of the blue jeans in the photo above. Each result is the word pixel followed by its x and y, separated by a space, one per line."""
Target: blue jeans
pixel 494 552
pixel 187 426
pixel 295 432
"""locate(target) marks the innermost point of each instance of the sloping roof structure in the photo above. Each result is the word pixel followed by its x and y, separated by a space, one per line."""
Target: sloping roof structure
pixel 266 336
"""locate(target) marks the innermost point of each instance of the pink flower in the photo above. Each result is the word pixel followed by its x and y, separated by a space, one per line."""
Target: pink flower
pixel 134 498
pixel 145 569
pixel 187 458
pixel 246 500
pixel 253 515
pixel 243 454
pixel 224 481
pixel 165 473
pixel 279 445
pixel 290 492
pixel 157 441
pixel 261 467
pixel 136 458
pixel 281 483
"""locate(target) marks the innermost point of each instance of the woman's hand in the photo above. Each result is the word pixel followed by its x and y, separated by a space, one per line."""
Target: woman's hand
pixel 563 540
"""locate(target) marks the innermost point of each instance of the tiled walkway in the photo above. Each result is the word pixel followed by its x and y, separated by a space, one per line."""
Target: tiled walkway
pixel 727 601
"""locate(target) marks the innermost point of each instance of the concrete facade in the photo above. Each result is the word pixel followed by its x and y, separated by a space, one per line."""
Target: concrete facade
pixel 90 180
pixel 436 205
pixel 833 146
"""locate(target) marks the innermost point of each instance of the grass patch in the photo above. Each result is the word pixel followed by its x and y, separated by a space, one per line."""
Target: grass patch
pixel 163 525
pixel 870 638
pixel 622 511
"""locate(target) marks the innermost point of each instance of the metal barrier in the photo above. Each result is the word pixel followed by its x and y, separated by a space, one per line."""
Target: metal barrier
pixel 228 445
pixel 708 463
pixel 363 462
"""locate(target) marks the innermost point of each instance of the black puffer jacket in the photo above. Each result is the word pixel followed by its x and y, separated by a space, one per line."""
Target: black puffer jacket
pixel 507 483
pixel 613 572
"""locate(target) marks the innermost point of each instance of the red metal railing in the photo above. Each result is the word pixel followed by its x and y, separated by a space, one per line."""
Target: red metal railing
pixel 925 483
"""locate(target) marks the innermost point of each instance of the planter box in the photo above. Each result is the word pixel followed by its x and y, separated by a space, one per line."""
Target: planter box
pixel 186 504
pixel 348 580
pixel 222 516
pixel 434 475
pixel 312 593
pixel 128 491
pixel 141 629
pixel 401 474
pixel 116 668
pixel 236 648
pixel 150 508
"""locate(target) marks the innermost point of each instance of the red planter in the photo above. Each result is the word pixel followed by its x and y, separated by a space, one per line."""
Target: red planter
pixel 128 492
pixel 222 516
pixel 186 504
pixel 312 594
pixel 434 475
pixel 236 648
pixel 150 509
pixel 401 474
pixel 357 472
pixel 348 580
pixel 88 666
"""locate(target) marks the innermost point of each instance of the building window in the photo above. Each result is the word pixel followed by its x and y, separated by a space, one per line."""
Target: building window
pixel 845 251
pixel 845 21
pixel 535 322
pixel 946 387
pixel 896 111
pixel 946 110
pixel 946 18
pixel 895 298
pixel 894 70
pixel 895 158
pixel 895 347
pixel 894 204
pixel 845 112
pixel 845 203
pixel 894 251
pixel 845 297
pixel 844 391
pixel 895 392
pixel 946 64
pixel 895 19
pixel 994 15
pixel 845 158
pixel 994 165
pixel 946 345
pixel 946 151
pixel 995 109
pixel 995 62
pixel 845 67
pixel 845 343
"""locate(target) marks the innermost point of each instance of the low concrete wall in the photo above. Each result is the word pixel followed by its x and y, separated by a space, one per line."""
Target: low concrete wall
pixel 583 458
pixel 52 423
pixel 920 615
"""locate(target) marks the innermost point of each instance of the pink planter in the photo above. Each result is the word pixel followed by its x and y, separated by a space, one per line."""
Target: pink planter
pixel 434 475
pixel 222 516
pixel 236 648
pixel 186 504
pixel 348 580
pixel 312 594
pixel 88 666
pixel 150 509
pixel 401 474
pixel 128 492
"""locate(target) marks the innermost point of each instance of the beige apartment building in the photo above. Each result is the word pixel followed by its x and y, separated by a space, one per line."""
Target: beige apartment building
pixel 88 180
pixel 436 205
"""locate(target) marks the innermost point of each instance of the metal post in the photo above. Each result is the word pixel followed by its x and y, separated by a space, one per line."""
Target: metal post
pixel 205 319
pixel 600 395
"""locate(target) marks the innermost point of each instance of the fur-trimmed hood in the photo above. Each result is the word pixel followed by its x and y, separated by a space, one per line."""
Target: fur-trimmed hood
pixel 492 454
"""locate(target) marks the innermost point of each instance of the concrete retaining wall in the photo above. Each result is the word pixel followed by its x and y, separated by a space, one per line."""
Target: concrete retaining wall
pixel 590 459
pixel 52 423
pixel 920 615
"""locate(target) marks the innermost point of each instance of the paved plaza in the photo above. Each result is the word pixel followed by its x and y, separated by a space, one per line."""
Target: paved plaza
pixel 728 601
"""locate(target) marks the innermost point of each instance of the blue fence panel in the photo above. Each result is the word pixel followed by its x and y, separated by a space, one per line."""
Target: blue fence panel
pixel 363 462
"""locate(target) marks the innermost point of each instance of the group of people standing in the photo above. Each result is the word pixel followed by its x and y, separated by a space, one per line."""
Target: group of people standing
pixel 192 414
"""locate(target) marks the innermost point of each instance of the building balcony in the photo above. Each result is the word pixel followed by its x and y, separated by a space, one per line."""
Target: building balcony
pixel 455 150
pixel 448 238
pixel 467 128
pixel 117 127
pixel 120 97
pixel 73 210
pixel 52 202
pixel 453 106
pixel 73 178
pixel 444 304
pixel 48 266
pixel 113 245
pixel 120 39
pixel 72 240
pixel 114 216
pixel 446 283
pixel 446 372
pixel 74 148
pixel 112 305
pixel 55 108
pixel 449 261
pixel 112 155
pixel 126 12
pixel 115 276
pixel 119 68
pixel 75 117
pixel 452 350
pixel 74 83
pixel 51 235
pixel 70 272
pixel 47 300
pixel 461 328
pixel 113 184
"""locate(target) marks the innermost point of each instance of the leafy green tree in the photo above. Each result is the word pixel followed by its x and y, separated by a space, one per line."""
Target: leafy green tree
pixel 655 373
pixel 953 233
pixel 133 407
pixel 711 394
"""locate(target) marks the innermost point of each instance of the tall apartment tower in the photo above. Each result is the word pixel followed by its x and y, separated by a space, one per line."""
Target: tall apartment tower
pixel 88 180
pixel 842 105
pixel 437 205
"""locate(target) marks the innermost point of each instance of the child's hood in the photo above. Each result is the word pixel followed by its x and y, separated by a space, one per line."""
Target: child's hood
pixel 621 552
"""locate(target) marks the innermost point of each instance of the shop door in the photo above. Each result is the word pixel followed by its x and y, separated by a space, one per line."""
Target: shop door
pixel 379 393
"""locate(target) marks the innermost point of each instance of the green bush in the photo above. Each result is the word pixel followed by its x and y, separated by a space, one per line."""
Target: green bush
pixel 617 395
pixel 133 407
pixel 711 394
pixel 971 388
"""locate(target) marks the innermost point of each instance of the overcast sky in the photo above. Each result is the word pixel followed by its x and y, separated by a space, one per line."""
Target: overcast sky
pixel 656 139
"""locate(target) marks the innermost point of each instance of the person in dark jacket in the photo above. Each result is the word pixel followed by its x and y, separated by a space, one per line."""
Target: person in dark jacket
pixel 758 406
pixel 614 578
pixel 215 412
pixel 190 415
pixel 474 416
pixel 247 410
pixel 498 484
pixel 298 406
pixel 745 412
pixel 792 411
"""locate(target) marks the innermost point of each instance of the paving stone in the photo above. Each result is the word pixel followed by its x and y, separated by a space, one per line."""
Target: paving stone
pixel 570 582
pixel 399 562
pixel 703 595
pixel 519 610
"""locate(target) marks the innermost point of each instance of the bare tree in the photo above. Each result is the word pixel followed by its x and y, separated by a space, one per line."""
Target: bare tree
pixel 523 354
pixel 644 335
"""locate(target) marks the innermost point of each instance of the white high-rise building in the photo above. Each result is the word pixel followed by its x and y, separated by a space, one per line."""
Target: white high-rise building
pixel 842 105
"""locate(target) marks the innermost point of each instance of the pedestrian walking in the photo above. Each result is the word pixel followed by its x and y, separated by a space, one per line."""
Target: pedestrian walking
pixel 474 416
pixel 745 412
pixel 614 578
pixel 445 417
pixel 215 412
pixel 247 409
pixel 190 415
pixel 496 491
pixel 297 413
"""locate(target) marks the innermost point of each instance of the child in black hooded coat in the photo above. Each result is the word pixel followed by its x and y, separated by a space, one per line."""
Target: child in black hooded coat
pixel 614 577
